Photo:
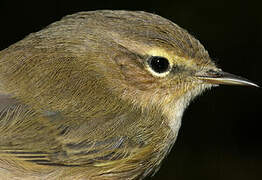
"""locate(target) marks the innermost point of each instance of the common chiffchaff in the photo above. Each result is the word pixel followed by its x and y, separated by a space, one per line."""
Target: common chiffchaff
pixel 99 95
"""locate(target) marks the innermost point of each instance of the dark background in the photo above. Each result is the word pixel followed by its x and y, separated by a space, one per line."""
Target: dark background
pixel 221 135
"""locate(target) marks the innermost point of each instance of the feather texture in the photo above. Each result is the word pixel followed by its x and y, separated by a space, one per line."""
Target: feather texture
pixel 77 101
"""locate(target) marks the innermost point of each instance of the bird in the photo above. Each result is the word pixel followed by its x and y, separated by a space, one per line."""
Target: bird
pixel 99 95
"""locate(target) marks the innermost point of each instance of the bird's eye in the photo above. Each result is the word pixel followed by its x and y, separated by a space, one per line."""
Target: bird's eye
pixel 158 64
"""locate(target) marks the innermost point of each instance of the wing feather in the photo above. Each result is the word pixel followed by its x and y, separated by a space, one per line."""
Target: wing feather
pixel 33 137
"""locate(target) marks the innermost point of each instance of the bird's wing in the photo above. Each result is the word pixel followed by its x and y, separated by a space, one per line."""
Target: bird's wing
pixel 33 137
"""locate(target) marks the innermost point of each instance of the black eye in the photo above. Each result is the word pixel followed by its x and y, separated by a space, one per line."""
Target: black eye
pixel 158 64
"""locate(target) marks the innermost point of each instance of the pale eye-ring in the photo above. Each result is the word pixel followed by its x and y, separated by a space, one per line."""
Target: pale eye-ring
pixel 159 64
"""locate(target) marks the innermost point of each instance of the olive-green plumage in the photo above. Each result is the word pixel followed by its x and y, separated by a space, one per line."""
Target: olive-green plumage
pixel 80 101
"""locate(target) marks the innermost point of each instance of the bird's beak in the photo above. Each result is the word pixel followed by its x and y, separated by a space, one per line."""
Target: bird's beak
pixel 220 77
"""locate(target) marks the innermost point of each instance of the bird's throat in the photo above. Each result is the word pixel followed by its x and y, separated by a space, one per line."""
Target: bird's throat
pixel 176 111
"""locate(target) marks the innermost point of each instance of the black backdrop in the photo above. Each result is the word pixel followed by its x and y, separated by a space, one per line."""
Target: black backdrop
pixel 220 136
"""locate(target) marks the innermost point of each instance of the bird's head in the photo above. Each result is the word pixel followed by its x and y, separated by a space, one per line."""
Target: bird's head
pixel 138 57
pixel 151 61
